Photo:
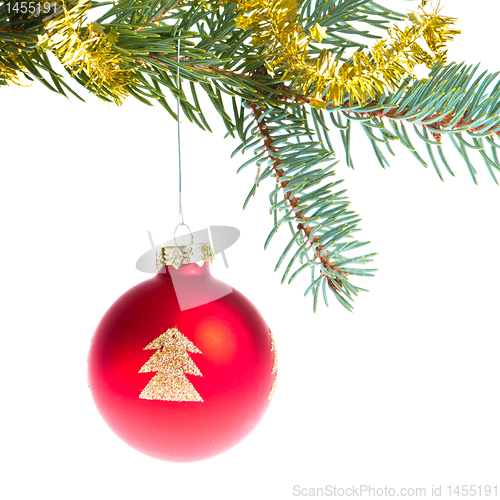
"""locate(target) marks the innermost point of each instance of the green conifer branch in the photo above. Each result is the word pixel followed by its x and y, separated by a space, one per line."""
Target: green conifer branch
pixel 319 219
pixel 270 116
pixel 451 105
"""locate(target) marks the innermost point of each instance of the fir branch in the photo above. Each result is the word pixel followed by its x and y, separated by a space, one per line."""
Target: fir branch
pixel 319 236
pixel 448 104
pixel 287 95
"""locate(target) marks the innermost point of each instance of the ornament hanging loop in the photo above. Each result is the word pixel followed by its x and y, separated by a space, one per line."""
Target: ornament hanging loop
pixel 190 232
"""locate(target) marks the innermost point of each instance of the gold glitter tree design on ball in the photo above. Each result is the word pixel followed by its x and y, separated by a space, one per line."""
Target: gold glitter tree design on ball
pixel 172 362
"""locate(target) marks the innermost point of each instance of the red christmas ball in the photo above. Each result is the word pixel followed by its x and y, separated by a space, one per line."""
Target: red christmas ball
pixel 182 366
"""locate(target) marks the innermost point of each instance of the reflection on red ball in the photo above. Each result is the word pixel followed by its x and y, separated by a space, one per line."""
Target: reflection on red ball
pixel 182 385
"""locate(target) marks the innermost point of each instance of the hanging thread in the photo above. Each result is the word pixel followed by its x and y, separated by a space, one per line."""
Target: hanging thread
pixel 181 214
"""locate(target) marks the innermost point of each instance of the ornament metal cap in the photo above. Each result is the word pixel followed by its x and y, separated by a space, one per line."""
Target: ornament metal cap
pixel 194 253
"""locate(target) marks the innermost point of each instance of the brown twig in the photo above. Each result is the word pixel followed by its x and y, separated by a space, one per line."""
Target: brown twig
pixel 434 129
pixel 294 202
pixel 159 16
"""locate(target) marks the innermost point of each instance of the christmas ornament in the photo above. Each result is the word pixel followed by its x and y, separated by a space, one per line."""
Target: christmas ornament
pixel 182 366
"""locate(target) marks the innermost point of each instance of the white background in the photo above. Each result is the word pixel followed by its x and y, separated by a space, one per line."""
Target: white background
pixel 403 392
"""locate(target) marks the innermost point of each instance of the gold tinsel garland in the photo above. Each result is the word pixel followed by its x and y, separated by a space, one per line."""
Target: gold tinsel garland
pixel 87 49
pixel 8 74
pixel 275 26
pixel 325 79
